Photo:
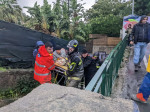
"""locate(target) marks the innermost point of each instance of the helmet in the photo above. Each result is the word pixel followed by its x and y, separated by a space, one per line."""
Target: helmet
pixel 73 44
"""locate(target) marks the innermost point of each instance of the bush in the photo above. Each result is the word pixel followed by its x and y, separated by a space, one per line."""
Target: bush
pixel 26 85
pixel 23 87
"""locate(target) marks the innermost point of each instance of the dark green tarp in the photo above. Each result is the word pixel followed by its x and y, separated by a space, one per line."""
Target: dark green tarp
pixel 17 42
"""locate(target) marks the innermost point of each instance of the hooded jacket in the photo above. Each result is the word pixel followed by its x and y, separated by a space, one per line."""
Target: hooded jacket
pixel 140 32
pixel 43 65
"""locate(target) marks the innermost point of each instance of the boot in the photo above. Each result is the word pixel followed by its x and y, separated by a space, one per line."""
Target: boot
pixel 136 68
pixel 138 97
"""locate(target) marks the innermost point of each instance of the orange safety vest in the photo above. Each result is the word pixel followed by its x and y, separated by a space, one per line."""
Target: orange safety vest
pixel 43 65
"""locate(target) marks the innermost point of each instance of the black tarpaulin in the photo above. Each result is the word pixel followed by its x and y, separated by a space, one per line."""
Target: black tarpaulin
pixel 17 42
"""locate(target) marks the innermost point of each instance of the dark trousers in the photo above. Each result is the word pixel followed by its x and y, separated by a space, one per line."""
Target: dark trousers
pixel 73 83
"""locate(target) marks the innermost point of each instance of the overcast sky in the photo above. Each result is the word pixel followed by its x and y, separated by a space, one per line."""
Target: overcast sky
pixel 30 3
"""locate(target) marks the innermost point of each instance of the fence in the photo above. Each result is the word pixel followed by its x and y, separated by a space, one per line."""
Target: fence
pixel 104 78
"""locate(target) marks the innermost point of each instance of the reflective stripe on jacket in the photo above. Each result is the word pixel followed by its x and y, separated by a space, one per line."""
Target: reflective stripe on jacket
pixel 75 68
pixel 74 78
pixel 43 65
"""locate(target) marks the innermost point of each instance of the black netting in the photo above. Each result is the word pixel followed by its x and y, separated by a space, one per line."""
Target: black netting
pixel 17 44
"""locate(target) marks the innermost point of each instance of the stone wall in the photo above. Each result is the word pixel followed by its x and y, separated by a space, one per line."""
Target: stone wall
pixel 9 78
pixel 99 42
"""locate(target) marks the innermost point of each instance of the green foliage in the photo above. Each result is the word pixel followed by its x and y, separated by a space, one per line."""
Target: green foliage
pixel 10 11
pixel 109 25
pixel 47 17
pixel 26 85
pixel 2 69
pixel 36 16
pixel 75 14
pixel 66 23
pixel 105 17
pixel 85 29
pixel 23 87
pixel 59 19
pixel 10 93
pixel 142 7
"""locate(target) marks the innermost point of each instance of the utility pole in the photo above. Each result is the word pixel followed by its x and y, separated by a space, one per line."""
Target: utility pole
pixel 132 7
pixel 68 8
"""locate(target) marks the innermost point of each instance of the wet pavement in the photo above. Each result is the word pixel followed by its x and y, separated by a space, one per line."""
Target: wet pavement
pixel 134 80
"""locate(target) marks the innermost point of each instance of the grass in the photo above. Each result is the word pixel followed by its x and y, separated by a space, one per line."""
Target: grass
pixel 2 69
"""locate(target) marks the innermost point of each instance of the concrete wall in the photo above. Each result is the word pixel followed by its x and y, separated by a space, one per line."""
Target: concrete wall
pixel 101 42
pixel 9 78
pixel 107 49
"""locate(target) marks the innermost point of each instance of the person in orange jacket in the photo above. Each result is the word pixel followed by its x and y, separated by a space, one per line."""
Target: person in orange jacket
pixel 144 90
pixel 44 64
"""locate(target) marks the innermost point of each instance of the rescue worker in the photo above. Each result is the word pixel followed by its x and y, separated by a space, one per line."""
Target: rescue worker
pixel 95 61
pixel 86 63
pixel 93 67
pixel 75 67
pixel 38 45
pixel 144 90
pixel 44 63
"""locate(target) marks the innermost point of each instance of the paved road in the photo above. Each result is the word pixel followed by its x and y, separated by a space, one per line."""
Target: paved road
pixel 134 80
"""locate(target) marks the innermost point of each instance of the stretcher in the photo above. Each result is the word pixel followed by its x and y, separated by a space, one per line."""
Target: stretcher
pixel 58 74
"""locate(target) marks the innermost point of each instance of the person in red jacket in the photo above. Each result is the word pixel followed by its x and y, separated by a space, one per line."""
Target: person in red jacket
pixel 44 64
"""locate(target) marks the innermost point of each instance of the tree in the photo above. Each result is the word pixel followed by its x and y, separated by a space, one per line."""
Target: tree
pixel 65 19
pixel 109 25
pixel 142 7
pixel 58 17
pixel 76 13
pixel 10 11
pixel 67 26
pixel 36 16
pixel 105 17
pixel 47 16
pixel 42 17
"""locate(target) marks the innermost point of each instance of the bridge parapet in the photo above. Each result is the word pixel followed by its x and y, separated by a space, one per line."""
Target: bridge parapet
pixel 104 78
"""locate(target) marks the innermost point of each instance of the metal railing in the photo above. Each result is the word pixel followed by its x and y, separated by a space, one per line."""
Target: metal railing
pixel 104 78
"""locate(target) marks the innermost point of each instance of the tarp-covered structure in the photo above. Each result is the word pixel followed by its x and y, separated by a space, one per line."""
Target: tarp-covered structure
pixel 17 43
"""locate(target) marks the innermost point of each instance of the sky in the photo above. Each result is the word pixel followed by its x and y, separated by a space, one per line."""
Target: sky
pixel 30 3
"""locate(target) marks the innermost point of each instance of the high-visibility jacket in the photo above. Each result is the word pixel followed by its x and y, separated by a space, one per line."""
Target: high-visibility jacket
pixel 148 66
pixel 43 65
